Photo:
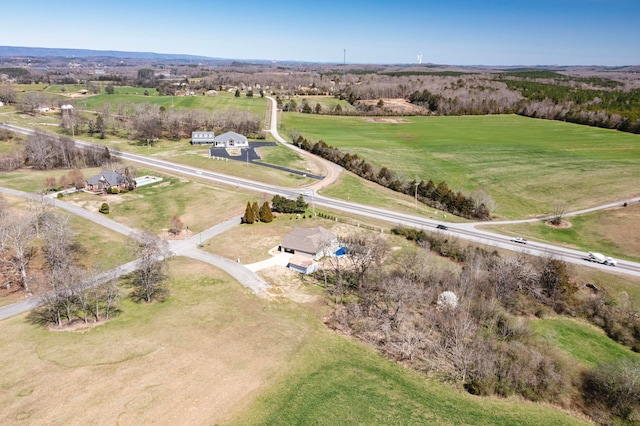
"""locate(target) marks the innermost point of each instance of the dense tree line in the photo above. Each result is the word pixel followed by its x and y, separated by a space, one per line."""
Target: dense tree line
pixel 282 204
pixel 44 151
pixel 469 324
pixel 438 196
pixel 147 122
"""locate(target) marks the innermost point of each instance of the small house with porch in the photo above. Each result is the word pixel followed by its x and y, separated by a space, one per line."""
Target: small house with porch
pixel 110 179
pixel 312 243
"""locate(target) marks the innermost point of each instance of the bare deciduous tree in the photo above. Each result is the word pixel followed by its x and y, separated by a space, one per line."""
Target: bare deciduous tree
pixel 18 240
pixel 559 209
pixel 176 225
pixel 364 251
pixel 149 277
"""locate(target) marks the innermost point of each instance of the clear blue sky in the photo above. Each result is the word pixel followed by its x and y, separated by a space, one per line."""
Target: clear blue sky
pixel 458 32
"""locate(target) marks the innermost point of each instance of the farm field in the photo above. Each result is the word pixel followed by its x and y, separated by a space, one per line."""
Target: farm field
pixel 223 101
pixel 213 354
pixel 123 94
pixel 524 164
pixel 609 231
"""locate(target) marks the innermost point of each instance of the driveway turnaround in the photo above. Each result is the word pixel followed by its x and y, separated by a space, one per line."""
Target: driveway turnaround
pixel 187 248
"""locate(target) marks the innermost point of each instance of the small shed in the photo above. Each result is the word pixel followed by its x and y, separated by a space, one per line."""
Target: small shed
pixel 302 264
pixel 202 138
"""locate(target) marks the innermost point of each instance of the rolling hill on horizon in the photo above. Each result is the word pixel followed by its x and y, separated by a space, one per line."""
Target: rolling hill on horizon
pixel 8 51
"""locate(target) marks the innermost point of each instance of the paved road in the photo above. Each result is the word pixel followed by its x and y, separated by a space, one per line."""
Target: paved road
pixel 187 248
pixel 463 231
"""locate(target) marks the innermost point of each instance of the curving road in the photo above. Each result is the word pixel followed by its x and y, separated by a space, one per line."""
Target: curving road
pixel 187 248
pixel 331 170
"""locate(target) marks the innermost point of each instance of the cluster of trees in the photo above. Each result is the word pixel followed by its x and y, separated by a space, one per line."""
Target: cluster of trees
pixel 44 151
pixel 282 204
pixel 147 122
pixel 253 213
pixel 39 254
pixel 438 196
pixel 470 324
pixel 67 289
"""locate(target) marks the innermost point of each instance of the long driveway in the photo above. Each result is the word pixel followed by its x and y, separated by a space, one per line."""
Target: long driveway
pixel 187 248
pixel 331 170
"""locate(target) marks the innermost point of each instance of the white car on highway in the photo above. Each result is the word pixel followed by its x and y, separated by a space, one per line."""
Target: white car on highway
pixel 519 240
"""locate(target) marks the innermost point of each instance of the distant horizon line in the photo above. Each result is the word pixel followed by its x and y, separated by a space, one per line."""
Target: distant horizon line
pixel 5 51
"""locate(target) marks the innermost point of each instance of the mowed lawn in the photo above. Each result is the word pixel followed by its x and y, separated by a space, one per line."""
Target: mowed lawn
pixel 215 354
pixel 524 164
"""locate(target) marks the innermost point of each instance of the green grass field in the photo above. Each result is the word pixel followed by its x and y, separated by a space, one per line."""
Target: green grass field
pixel 342 382
pixel 214 354
pixel 584 342
pixel 223 101
pixel 198 205
pixel 524 164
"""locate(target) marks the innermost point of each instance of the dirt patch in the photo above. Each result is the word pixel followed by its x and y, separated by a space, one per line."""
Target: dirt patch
pixel 185 234
pixel 286 284
pixel 396 106
pixel 77 326
pixel 385 120
pixel 562 225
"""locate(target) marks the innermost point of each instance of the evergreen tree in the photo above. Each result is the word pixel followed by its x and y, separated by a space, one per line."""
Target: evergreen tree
pixel 104 209
pixel 256 211
pixel 301 204
pixel 266 215
pixel 248 214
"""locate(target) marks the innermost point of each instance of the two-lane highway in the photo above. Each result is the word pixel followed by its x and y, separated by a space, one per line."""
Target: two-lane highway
pixel 467 231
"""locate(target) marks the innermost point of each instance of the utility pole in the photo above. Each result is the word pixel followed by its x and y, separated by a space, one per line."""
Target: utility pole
pixel 416 196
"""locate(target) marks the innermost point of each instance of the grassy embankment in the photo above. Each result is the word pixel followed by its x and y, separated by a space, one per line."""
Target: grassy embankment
pixel 524 164
pixel 212 353
pixel 610 231
pixel 585 343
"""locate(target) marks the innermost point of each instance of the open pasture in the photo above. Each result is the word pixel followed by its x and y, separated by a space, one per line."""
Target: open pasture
pixel 213 354
pixel 223 101
pixel 524 164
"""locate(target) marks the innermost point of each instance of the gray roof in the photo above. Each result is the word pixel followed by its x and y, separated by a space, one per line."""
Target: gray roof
pixel 231 136
pixel 106 177
pixel 203 136
pixel 308 240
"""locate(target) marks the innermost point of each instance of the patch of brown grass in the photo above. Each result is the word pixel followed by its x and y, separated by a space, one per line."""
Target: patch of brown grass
pixel 198 358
